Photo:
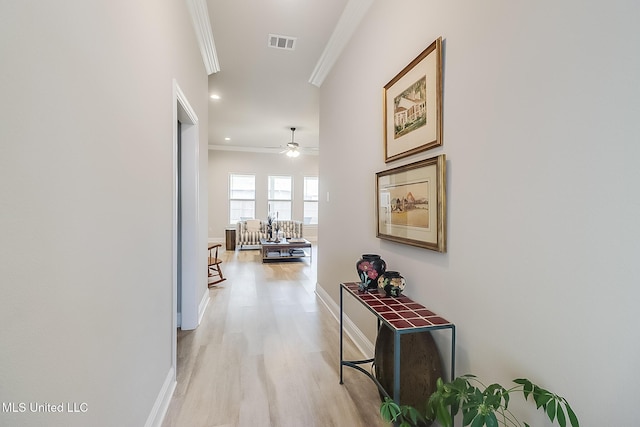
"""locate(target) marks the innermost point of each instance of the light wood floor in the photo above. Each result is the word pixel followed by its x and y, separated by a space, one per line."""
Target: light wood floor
pixel 267 354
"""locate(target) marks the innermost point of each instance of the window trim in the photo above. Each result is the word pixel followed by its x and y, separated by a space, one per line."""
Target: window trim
pixel 230 190
pixel 291 191
pixel 306 200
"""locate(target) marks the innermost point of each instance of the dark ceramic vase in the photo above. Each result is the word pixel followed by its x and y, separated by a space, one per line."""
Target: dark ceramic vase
pixel 392 283
pixel 369 268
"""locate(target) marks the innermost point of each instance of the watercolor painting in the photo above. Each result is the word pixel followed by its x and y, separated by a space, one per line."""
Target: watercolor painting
pixel 409 204
pixel 410 108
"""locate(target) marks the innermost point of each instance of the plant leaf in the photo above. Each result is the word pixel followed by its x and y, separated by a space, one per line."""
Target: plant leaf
pixel 468 415
pixel 491 420
pixel 541 396
pixel 494 393
pixel 433 402
pixel 478 421
pixel 412 414
pixel 572 416
pixel 389 410
pixel 505 396
pixel 561 419
pixel 527 386
pixel 551 410
pixel 443 416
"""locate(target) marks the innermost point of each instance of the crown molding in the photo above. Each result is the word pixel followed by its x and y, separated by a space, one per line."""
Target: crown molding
pixel 264 150
pixel 351 16
pixel 244 149
pixel 202 26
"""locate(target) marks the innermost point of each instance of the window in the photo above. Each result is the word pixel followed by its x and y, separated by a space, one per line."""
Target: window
pixel 310 199
pixel 280 195
pixel 242 197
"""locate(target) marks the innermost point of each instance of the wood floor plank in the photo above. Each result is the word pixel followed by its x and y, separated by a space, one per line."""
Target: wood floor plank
pixel 266 354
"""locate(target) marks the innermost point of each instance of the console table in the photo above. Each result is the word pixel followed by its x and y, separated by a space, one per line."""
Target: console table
pixel 403 316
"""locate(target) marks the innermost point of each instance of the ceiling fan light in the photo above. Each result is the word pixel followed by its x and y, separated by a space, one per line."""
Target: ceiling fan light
pixel 293 147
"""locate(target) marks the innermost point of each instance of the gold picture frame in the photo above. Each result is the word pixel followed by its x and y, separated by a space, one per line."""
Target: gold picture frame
pixel 411 204
pixel 412 103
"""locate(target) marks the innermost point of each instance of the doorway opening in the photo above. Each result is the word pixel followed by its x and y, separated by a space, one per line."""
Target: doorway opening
pixel 188 257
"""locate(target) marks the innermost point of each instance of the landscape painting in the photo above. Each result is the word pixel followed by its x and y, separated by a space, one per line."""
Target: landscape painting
pixel 410 108
pixel 409 204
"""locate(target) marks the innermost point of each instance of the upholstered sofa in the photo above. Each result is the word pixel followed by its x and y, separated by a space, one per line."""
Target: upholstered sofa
pixel 249 232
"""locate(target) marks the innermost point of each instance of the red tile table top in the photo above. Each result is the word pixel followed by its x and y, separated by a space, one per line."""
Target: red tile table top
pixel 399 312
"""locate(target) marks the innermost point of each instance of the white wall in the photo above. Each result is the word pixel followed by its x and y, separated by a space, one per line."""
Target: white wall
pixel 86 168
pixel 540 132
pixel 223 163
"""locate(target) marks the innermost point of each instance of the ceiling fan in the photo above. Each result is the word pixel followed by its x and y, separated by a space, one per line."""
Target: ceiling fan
pixel 293 149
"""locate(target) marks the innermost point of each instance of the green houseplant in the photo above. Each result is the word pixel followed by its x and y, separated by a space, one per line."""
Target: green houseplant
pixel 480 405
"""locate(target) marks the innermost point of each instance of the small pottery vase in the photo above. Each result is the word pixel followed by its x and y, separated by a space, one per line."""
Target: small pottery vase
pixel 369 268
pixel 392 283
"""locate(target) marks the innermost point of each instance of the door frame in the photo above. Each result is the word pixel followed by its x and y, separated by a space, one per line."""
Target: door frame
pixel 190 207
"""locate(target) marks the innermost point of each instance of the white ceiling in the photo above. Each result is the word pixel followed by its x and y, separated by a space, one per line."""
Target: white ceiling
pixel 264 91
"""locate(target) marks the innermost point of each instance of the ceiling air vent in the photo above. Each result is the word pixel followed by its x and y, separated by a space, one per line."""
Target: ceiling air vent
pixel 282 42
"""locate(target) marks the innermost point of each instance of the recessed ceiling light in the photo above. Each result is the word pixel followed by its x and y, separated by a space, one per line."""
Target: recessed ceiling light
pixel 227 139
pixel 215 96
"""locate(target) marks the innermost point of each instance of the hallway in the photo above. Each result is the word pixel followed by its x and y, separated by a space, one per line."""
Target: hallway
pixel 266 354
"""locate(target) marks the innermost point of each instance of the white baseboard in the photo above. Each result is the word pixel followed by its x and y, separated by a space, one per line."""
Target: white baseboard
pixel 202 307
pixel 359 339
pixel 159 410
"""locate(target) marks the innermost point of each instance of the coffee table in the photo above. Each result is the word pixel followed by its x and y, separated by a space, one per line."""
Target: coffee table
pixel 285 249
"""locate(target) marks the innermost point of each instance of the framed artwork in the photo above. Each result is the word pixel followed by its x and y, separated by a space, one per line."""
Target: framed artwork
pixel 411 204
pixel 413 106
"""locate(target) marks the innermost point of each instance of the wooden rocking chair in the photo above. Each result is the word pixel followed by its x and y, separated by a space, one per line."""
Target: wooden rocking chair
pixel 214 269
